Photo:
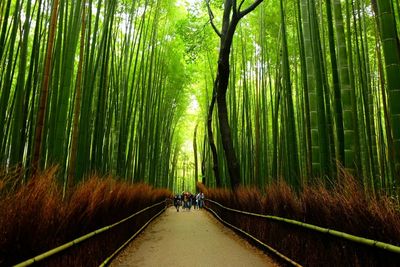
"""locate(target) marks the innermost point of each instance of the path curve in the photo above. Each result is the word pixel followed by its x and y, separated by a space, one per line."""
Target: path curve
pixel 190 238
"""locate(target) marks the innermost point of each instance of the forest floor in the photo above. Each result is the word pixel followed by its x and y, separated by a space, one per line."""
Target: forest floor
pixel 190 238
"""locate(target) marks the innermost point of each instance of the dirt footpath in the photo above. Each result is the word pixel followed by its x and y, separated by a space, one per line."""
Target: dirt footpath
pixel 190 238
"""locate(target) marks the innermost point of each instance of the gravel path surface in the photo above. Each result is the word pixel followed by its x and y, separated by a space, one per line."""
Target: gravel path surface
pixel 190 238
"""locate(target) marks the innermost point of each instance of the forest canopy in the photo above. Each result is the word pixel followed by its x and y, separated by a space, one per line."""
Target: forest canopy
pixel 127 88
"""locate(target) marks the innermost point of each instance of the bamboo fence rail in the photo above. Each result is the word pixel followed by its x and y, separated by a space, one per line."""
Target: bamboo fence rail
pixel 271 249
pixel 346 236
pixel 76 241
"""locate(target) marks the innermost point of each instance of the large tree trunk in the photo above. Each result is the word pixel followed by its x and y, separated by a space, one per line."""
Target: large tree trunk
pixel 203 163
pixel 231 17
pixel 211 137
pixel 227 143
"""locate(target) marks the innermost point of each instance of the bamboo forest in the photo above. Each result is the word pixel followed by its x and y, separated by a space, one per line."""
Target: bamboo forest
pixel 281 108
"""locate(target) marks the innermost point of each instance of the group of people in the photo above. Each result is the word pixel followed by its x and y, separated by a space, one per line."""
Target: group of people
pixel 186 200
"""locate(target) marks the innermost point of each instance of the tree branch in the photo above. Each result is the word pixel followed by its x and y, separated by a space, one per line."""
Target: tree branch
pixel 211 15
pixel 249 9
pixel 240 5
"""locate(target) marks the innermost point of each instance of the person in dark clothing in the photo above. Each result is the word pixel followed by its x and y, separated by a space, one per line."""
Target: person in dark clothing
pixel 177 202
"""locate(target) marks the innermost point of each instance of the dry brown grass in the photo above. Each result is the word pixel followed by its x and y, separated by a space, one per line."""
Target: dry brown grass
pixel 345 208
pixel 34 218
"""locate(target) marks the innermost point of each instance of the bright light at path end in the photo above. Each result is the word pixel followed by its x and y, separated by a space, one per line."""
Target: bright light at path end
pixel 190 3
pixel 193 106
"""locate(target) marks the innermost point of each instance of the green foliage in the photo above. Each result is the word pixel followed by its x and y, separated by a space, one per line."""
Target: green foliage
pixel 146 62
pixel 257 103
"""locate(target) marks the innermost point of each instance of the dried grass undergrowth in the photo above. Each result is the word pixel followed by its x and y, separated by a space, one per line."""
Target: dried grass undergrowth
pixel 34 218
pixel 345 208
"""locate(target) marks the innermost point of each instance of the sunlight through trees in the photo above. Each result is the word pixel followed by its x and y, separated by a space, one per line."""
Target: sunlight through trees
pixel 226 92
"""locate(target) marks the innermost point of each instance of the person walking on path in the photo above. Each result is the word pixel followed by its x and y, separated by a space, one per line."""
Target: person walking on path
pixel 201 200
pixel 177 202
